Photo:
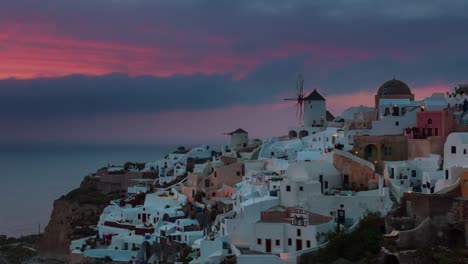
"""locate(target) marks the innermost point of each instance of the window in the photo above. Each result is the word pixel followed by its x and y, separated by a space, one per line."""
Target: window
pixel 298 233
pixel 238 173
pixel 454 149
pixel 259 241
pixel 301 188
pixel 464 152
pixel 429 121
pixel 213 194
pixel 288 188
pixel 436 132
pixel 326 184
pixel 397 123
pixel 429 131
pixel 387 111
pixel 277 242
pixel 207 183
pixel 289 242
pixel 139 216
pixel 446 174
pixel 308 243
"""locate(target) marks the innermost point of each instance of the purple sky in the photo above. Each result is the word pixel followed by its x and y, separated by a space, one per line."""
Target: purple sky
pixel 172 71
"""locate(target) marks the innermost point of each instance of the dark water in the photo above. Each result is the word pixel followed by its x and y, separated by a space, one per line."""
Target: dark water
pixel 33 176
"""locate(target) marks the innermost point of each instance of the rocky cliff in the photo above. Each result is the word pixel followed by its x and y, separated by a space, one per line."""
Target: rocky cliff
pixel 72 217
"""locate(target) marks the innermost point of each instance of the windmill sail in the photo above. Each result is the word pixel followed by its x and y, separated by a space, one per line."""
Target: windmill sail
pixel 299 99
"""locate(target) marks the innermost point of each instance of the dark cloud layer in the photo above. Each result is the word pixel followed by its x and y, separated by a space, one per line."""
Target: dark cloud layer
pixel 79 95
pixel 231 52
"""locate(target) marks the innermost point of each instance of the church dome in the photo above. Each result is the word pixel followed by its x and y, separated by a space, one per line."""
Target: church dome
pixel 394 87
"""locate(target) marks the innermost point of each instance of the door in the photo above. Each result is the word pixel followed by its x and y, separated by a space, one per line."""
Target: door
pixel 346 181
pixel 268 245
pixel 143 218
pixel 341 216
pixel 298 244
pixel 321 183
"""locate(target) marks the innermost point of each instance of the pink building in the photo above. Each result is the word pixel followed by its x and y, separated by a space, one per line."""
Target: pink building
pixel 430 133
pixel 435 123
pixel 214 184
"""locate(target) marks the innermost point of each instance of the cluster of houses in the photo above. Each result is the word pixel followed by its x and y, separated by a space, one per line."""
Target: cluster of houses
pixel 272 201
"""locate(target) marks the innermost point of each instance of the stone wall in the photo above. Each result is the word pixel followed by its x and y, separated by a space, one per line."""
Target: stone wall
pixel 438 217
pixel 361 177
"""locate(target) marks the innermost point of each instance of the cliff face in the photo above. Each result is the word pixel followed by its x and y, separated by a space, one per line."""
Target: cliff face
pixel 71 216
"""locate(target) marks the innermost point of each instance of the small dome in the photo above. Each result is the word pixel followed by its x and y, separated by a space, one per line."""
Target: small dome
pixel 394 87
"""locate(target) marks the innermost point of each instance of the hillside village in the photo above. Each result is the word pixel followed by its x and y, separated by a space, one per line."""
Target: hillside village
pixel 273 201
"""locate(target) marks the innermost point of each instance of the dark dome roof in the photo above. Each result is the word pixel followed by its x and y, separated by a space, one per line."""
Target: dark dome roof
pixel 394 87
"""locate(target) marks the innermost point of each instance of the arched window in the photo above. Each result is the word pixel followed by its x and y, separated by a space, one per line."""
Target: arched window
pixel 429 121
pixel 403 110
pixel 387 111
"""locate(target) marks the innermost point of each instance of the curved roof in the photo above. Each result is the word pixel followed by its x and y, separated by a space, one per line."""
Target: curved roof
pixel 394 87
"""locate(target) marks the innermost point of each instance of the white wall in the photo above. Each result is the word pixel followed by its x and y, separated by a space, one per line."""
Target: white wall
pixel 239 141
pixel 355 206
pixel 240 229
pixel 284 231
pixel 314 111
pixel 460 142
pixel 394 125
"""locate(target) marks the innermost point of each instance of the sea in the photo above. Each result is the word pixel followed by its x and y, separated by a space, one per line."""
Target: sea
pixel 32 176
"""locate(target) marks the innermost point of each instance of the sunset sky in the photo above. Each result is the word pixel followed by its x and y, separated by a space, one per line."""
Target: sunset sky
pixel 160 71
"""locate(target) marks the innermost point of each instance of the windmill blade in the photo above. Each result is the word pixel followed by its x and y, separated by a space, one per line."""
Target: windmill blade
pixel 301 114
pixel 290 99
pixel 301 80
pixel 297 109
pixel 298 91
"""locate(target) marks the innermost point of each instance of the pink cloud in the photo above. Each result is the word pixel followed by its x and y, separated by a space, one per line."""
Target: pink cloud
pixel 29 51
